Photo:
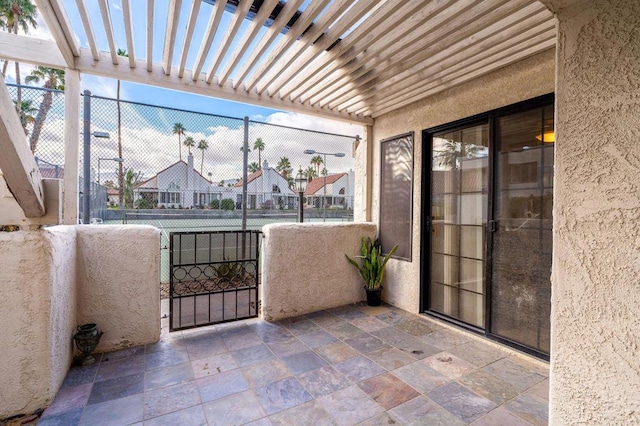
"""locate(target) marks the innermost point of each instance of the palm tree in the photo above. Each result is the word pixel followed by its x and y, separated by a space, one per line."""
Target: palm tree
pixel 179 129
pixel 253 167
pixel 209 174
pixel 284 167
pixel 131 179
pixel 17 14
pixel 53 80
pixel 121 52
pixel 310 173
pixel 189 142
pixel 25 113
pixel 203 145
pixel 324 171
pixel 317 161
pixel 259 145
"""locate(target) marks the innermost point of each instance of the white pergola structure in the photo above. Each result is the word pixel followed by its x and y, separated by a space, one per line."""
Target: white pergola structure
pixel 349 60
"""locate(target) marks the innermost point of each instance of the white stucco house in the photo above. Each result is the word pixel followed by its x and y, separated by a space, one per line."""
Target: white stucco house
pixel 336 188
pixel 267 189
pixel 178 185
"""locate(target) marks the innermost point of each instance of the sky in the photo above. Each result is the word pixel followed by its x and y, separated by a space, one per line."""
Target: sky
pixel 222 158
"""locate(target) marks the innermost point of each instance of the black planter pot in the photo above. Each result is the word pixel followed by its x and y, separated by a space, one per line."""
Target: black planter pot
pixel 374 296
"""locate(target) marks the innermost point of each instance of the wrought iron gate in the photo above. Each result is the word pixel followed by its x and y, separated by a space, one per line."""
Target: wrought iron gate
pixel 213 277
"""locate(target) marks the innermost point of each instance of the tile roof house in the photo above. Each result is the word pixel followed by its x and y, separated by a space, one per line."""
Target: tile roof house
pixel 337 188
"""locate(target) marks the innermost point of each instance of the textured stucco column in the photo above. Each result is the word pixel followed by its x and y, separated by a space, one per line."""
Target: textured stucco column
pixel 38 309
pixel 304 269
pixel 595 346
pixel 119 283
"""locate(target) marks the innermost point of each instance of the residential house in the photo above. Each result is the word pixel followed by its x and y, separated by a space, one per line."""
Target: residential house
pixel 267 189
pixel 336 190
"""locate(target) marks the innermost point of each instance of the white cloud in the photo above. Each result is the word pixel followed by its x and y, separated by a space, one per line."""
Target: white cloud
pixel 303 121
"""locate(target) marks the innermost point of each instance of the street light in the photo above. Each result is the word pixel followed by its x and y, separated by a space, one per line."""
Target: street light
pixel 117 160
pixel 301 184
pixel 324 187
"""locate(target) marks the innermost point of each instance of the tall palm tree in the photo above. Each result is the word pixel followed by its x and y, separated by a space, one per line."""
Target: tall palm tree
pixel 253 167
pixel 121 52
pixel 259 145
pixel 203 145
pixel 189 142
pixel 310 173
pixel 284 167
pixel 53 79
pixel 317 161
pixel 179 129
pixel 25 113
pixel 131 180
pixel 17 14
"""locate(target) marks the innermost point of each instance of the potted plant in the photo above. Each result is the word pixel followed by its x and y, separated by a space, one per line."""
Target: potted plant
pixel 371 267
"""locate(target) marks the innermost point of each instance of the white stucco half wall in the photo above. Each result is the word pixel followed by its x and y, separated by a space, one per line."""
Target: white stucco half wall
pixel 118 283
pixel 304 269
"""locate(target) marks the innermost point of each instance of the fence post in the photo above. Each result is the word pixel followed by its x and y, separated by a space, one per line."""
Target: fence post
pixel 245 168
pixel 86 187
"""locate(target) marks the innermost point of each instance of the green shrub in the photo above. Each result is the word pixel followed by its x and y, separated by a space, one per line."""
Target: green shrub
pixel 228 204
pixel 215 204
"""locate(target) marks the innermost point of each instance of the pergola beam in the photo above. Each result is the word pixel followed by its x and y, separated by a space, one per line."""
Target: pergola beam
pixel 31 50
pixel 150 13
pixel 158 78
pixel 16 162
pixel 59 27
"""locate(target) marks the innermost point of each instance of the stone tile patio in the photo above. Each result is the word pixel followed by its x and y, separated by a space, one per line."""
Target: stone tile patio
pixel 345 366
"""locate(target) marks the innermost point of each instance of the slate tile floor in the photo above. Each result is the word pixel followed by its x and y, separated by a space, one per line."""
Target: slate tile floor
pixel 345 366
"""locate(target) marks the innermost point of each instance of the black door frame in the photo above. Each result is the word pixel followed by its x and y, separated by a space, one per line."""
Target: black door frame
pixel 425 217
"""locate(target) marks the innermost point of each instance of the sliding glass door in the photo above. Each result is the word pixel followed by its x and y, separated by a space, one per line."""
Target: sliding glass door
pixel 490 207
pixel 459 214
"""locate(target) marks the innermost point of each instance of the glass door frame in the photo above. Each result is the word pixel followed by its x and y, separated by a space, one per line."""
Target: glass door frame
pixel 489 118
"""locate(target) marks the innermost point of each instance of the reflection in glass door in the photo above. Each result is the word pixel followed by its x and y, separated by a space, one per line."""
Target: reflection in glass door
pixel 522 243
pixel 458 211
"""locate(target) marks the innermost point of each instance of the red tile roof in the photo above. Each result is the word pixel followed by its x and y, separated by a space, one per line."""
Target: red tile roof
pixel 317 183
pixel 253 176
pixel 51 172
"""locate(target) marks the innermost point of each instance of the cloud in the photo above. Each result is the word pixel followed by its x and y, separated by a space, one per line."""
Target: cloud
pixel 303 121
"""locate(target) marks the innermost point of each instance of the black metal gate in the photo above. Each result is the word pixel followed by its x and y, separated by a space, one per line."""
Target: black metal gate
pixel 213 277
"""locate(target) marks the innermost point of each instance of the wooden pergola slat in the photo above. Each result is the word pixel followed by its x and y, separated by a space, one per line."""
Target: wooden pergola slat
pixel 212 27
pixel 170 36
pixel 283 18
pixel 108 29
pixel 318 29
pixel 302 23
pixel 126 14
pixel 150 13
pixel 255 26
pixel 188 36
pixel 451 56
pixel 333 34
pixel 88 29
pixel 232 30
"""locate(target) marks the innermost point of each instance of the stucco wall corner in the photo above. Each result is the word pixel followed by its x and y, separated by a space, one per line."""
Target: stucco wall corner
pixel 304 269
pixel 118 283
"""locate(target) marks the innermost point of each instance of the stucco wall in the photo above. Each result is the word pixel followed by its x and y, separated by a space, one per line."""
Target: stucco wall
pixel 304 269
pixel 37 310
pixel 118 278
pixel 595 344
pixel 524 80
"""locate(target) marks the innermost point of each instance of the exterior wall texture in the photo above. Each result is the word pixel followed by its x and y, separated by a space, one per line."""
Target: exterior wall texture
pixel 326 279
pixel 56 278
pixel 526 79
pixel 38 311
pixel 595 352
pixel 118 276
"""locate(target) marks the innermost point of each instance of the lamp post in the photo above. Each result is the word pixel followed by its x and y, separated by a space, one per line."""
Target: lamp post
pixel 324 187
pixel 116 159
pixel 301 184
pixel 86 193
